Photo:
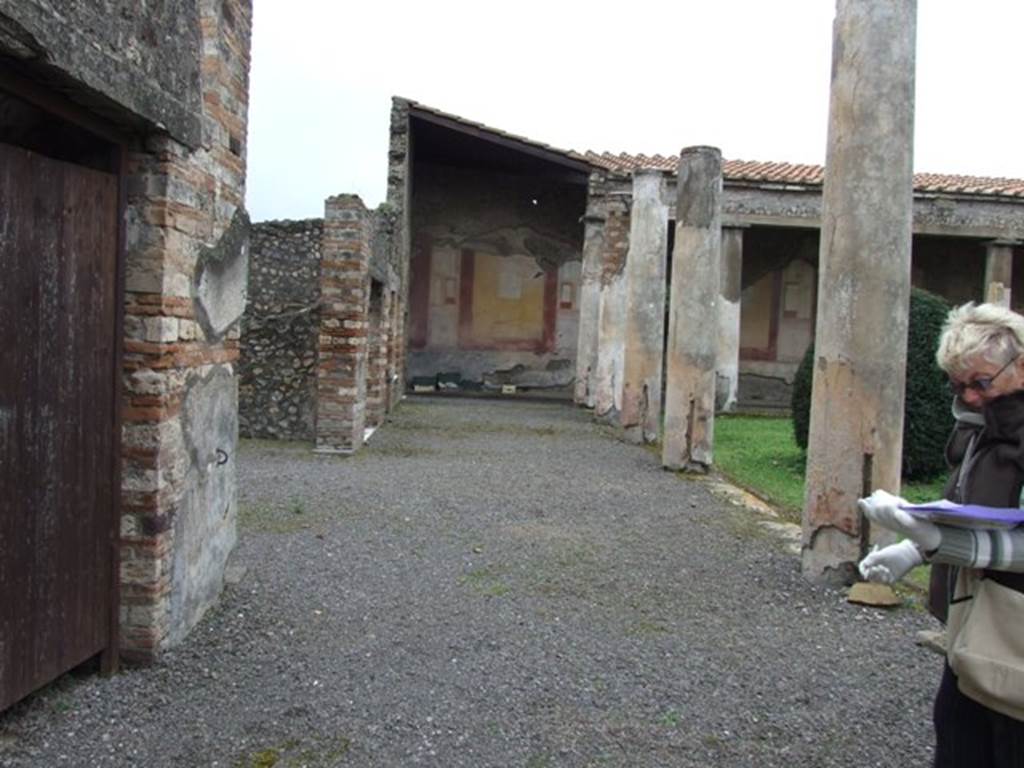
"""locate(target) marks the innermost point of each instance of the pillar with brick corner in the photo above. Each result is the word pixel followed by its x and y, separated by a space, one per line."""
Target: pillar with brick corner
pixel 607 379
pixel 396 348
pixel 344 326
pixel 998 272
pixel 728 352
pixel 645 309
pixel 590 304
pixel 693 313
pixel 856 429
pixel 377 355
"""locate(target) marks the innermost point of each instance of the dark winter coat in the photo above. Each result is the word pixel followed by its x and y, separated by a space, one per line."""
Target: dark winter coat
pixel 986 453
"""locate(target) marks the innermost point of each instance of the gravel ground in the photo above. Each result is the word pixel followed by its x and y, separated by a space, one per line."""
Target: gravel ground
pixel 497 583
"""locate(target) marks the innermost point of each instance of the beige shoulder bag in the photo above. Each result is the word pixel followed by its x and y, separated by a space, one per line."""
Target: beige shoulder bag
pixel 986 642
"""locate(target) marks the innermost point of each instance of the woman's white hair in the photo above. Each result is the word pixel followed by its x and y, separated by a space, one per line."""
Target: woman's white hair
pixel 987 331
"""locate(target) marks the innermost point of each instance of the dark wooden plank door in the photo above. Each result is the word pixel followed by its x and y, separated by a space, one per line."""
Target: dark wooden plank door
pixel 58 258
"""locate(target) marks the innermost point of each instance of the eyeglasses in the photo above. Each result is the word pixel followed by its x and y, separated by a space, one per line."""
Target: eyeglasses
pixel 981 384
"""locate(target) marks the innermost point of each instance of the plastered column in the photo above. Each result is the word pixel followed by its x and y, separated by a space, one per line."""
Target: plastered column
pixel 998 272
pixel 728 357
pixel 693 313
pixel 590 305
pixel 611 325
pixel 645 309
pixel 856 427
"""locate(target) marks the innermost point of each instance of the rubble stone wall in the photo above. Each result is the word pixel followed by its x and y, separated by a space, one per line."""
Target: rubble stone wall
pixel 277 368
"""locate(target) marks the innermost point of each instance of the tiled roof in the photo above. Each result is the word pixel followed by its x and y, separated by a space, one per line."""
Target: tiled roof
pixel 796 174
pixel 496 132
pixel 811 175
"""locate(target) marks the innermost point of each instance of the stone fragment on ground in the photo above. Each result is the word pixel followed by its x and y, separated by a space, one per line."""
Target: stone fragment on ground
pixel 877 595
pixel 933 640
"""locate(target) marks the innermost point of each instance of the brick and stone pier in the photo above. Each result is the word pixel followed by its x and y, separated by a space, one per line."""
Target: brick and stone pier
pixel 344 330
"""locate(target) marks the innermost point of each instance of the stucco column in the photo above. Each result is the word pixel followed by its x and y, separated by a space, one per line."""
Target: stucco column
pixel 856 429
pixel 645 309
pixel 728 357
pixel 590 307
pixel 998 272
pixel 693 312
pixel 611 326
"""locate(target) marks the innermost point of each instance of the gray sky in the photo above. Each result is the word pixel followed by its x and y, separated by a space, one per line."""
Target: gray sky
pixel 748 76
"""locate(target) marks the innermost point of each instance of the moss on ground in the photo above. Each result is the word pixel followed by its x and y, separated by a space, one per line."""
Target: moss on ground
pixel 487 581
pixel 323 752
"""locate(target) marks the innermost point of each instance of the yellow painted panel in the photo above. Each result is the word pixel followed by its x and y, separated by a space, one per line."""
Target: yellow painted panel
pixel 756 313
pixel 508 298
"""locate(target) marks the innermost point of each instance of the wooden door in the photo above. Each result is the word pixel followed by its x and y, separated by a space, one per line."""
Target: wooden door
pixel 58 288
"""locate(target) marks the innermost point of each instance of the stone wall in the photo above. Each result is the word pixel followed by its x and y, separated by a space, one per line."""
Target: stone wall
pixel 321 341
pixel 133 62
pixel 277 368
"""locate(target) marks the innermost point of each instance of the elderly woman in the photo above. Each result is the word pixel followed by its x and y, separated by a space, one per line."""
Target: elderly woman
pixel 982 351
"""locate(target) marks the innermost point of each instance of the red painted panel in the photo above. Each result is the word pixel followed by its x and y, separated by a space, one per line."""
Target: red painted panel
pixel 419 292
pixel 550 309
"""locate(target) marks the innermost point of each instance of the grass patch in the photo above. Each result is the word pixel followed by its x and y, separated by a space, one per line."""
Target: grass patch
pixel 486 581
pixel 288 517
pixel 671 718
pixel 324 753
pixel 395 451
pixel 645 628
pixel 759 453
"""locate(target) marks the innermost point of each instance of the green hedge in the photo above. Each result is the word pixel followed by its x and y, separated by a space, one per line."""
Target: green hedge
pixel 926 411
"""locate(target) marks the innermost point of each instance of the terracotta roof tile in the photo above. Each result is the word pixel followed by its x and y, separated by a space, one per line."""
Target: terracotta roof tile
pixel 812 175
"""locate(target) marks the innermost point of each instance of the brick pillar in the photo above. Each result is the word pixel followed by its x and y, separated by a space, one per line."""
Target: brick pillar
pixel 607 383
pixel 998 272
pixel 693 313
pixel 344 326
pixel 856 431
pixel 728 354
pixel 645 309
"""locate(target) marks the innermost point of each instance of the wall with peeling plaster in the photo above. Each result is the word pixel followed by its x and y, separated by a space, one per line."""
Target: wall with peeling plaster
pixel 204 531
pixel 501 256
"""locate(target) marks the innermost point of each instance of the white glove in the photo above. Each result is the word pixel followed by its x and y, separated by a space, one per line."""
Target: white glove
pixel 892 563
pixel 883 508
